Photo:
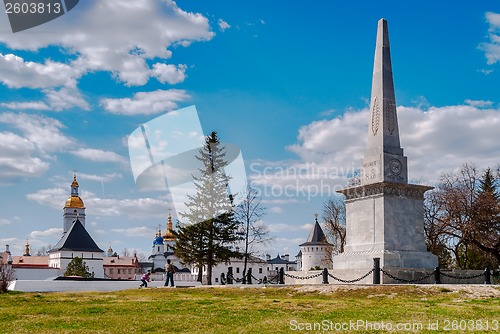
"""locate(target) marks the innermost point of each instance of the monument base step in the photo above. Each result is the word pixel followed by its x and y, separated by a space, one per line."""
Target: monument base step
pixel 388 258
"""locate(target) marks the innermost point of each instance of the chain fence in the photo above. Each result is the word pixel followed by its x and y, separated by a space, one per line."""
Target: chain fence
pixel 304 277
pixel 376 272
pixel 462 277
pixel 273 280
pixel 351 280
pixel 407 280
pixel 259 280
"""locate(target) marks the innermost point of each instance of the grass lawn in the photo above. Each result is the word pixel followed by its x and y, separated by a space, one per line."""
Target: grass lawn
pixel 255 310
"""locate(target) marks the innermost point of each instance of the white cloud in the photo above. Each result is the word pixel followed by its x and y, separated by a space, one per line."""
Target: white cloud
pixel 5 222
pixel 65 98
pixel 17 160
pixel 281 227
pixel 146 103
pixel 223 25
pixel 329 152
pixel 435 141
pixel 33 105
pixel 492 48
pixel 17 73
pixel 493 20
pixel 103 207
pixel 142 231
pixel 281 201
pixel 52 233
pixel 57 100
pixel 479 103
pixel 43 132
pixel 8 241
pixel 284 246
pixel 100 178
pixel 327 113
pixel 276 209
pixel 115 36
pixel 485 71
pixel 169 73
pixel 29 152
pixel 53 197
pixel 98 155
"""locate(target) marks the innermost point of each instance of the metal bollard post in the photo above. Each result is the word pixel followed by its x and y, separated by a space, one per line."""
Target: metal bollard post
pixel 249 276
pixel 230 275
pixel 487 276
pixel 376 270
pixel 325 276
pixel 281 276
pixel 437 276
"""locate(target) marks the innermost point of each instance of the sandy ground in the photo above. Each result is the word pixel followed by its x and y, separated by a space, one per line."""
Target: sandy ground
pixel 469 291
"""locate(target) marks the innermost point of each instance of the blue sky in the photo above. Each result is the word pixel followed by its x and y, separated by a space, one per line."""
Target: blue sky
pixel 287 81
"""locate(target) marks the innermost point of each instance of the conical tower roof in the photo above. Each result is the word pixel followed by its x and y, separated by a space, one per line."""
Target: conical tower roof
pixel 316 236
pixel 77 239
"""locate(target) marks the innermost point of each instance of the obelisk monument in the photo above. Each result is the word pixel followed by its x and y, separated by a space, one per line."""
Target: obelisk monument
pixel 384 214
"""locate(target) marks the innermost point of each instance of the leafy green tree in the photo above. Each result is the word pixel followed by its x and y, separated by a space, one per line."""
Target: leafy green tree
pixel 210 232
pixel 77 267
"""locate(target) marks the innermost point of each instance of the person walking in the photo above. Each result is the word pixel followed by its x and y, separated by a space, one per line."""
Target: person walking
pixel 145 279
pixel 169 271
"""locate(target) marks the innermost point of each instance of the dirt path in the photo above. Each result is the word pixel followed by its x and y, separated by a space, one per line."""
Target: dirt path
pixel 469 291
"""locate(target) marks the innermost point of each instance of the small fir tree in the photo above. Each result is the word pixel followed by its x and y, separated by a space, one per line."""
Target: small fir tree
pixel 77 267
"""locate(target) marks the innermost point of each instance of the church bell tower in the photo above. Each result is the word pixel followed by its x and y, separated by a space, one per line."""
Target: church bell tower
pixel 74 207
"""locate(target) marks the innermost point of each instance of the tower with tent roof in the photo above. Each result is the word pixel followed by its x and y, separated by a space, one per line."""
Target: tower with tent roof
pixel 316 252
pixel 76 240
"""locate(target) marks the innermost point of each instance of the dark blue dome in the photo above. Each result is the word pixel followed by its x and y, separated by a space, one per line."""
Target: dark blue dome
pixel 158 240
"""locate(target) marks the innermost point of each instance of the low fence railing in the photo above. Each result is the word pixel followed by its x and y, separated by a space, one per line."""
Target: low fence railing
pixel 377 272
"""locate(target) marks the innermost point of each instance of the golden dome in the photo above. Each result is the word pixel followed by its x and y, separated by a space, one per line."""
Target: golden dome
pixel 75 182
pixel 74 202
pixel 169 236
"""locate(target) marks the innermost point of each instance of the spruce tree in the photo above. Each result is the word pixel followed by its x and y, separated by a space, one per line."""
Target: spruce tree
pixel 209 232
pixel 77 267
pixel 485 234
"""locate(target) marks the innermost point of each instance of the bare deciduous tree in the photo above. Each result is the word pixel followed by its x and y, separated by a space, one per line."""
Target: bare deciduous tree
pixel 334 218
pixel 44 250
pixel 249 213
pixel 7 275
pixel 463 216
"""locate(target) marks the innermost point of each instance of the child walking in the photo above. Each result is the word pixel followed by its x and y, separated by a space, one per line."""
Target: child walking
pixel 145 279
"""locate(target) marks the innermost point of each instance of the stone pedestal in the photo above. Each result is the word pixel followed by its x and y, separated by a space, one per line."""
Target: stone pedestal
pixel 385 220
